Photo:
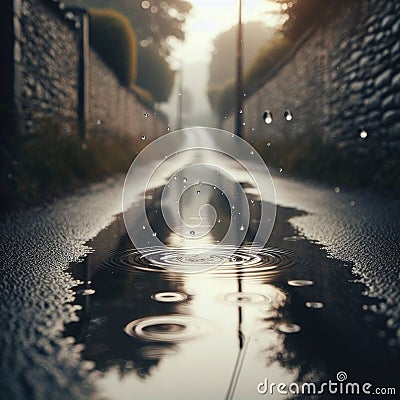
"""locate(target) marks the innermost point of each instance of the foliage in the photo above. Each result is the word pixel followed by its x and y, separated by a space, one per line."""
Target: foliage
pixel 50 163
pixel 268 57
pixel 311 157
pixel 113 38
pixel 223 59
pixel 301 14
pixel 154 74
pixel 143 95
pixel 155 24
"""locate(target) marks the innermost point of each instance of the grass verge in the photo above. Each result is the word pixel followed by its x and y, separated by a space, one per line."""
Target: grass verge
pixel 50 164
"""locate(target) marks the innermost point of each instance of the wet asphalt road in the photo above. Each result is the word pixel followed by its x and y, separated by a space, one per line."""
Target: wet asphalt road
pixel 38 244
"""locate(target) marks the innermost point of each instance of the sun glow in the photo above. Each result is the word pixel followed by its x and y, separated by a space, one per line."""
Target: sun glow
pixel 210 17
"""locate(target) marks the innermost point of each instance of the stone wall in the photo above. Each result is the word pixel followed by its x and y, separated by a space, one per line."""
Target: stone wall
pixel 342 76
pixel 51 77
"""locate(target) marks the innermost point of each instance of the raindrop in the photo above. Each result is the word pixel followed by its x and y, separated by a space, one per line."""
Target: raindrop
pixel 99 122
pixel 363 133
pixel 286 327
pixel 192 232
pixel 219 220
pixel 143 137
pixel 314 304
pixel 174 176
pixel 168 328
pixel 300 282
pixel 154 234
pixel 198 192
pixel 251 152
pixel 241 228
pixel 88 292
pixel 169 297
pixel 288 115
pixel 268 144
pixel 252 201
pixel 233 207
pixel 280 169
pixel 267 117
pixel 242 298
pixel 240 111
pixel 337 189
pixel 352 203
pixel 184 180
pixel 214 187
pixel 143 227
pixel 145 5
pixel 146 115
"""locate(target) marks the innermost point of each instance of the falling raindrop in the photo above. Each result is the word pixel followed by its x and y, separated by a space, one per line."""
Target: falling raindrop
pixel 286 327
pixel 143 137
pixel 314 304
pixel 300 282
pixel 363 133
pixel 267 117
pixel 288 115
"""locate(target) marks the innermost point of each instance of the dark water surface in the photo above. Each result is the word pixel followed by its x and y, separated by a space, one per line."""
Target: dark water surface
pixel 289 314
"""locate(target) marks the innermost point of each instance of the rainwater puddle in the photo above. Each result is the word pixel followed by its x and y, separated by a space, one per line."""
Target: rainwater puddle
pixel 283 313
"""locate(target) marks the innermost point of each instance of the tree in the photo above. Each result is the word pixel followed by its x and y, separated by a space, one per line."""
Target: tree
pixel 155 21
pixel 154 74
pixel 223 64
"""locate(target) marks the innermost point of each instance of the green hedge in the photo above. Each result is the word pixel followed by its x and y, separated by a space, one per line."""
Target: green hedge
pixel 222 96
pixel 154 74
pixel 113 37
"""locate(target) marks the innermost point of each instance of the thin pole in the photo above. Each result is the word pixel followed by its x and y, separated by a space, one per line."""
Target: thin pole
pixel 239 75
pixel 180 98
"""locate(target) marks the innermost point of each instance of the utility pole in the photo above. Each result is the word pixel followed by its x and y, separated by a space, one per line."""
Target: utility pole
pixel 239 75
pixel 180 97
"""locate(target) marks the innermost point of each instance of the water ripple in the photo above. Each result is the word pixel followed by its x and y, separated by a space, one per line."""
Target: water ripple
pixel 167 328
pixel 245 262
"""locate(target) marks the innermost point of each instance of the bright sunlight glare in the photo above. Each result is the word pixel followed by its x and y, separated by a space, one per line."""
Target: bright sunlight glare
pixel 210 17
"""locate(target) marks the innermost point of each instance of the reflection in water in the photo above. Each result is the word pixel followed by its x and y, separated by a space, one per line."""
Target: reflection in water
pixel 169 328
pixel 252 317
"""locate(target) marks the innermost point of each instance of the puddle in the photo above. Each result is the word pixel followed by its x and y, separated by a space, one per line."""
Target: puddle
pixel 286 312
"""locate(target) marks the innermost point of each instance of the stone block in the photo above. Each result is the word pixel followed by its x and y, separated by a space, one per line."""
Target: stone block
pixel 383 78
pixel 390 117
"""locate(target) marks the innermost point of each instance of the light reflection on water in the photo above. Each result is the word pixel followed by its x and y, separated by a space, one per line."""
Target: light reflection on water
pixel 251 311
